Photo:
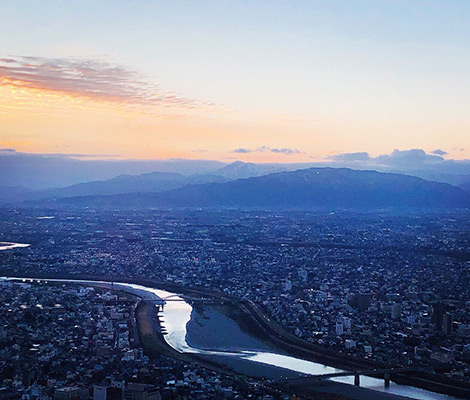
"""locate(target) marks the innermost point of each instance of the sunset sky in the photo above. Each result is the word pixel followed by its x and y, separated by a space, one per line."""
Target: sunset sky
pixel 265 81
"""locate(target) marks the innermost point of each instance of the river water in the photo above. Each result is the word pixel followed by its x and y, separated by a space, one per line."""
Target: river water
pixel 9 246
pixel 176 314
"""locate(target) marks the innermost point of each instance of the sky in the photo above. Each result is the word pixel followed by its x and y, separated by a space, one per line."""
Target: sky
pixel 259 81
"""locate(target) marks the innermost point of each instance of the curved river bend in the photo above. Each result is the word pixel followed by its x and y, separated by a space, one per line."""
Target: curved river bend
pixel 176 315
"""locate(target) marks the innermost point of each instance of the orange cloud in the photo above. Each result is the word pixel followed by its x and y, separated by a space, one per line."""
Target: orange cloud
pixel 90 79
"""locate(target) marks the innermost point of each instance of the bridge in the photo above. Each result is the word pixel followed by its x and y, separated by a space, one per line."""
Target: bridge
pixel 173 297
pixel 319 379
pixel 177 297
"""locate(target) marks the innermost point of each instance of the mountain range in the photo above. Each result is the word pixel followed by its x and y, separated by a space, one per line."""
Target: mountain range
pixel 148 182
pixel 312 188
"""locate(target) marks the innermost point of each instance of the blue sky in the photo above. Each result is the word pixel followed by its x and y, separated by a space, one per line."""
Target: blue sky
pixel 322 77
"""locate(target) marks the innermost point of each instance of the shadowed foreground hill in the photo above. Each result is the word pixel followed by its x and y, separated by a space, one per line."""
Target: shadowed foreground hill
pixel 324 188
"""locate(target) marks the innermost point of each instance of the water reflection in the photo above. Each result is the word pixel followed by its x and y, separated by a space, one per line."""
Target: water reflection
pixel 176 314
pixel 9 246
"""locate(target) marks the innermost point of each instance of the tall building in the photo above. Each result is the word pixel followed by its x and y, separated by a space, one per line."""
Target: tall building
pixel 288 285
pixel 141 391
pixel 107 392
pixel 396 310
pixel 302 274
pixel 446 326
pixel 70 393
pixel 438 310
pixel 339 328
pixel 347 324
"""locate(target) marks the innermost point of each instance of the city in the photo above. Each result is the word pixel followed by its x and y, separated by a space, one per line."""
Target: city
pixel 241 200
pixel 324 277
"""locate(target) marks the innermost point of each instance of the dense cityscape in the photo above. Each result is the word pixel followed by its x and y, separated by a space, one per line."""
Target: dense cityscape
pixel 234 200
pixel 67 342
pixel 383 287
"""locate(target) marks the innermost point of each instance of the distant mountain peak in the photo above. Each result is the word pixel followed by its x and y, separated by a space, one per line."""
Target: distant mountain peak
pixel 239 169
pixel 312 189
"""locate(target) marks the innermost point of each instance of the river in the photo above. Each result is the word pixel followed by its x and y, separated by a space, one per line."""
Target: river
pixel 9 246
pixel 177 313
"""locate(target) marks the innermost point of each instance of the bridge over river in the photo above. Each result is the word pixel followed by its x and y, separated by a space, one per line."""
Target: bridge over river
pixel 318 379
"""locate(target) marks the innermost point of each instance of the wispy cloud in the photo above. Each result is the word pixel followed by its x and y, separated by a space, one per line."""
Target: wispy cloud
pixel 285 151
pixel 89 78
pixel 81 155
pixel 265 149
pixel 13 152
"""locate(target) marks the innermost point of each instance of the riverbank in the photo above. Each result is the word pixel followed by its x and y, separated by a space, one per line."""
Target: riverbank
pixel 153 342
pixel 270 331
pixel 151 337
